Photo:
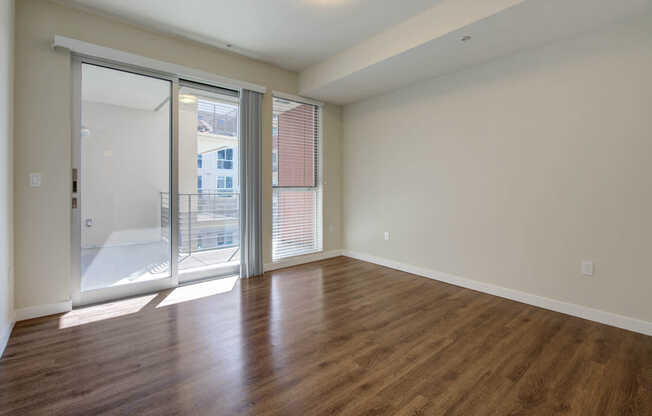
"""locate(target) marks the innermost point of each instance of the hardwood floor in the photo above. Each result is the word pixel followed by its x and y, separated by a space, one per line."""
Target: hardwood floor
pixel 339 336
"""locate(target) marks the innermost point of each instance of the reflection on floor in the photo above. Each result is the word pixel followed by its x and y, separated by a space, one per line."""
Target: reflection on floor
pixel 199 290
pixel 123 307
pixel 118 265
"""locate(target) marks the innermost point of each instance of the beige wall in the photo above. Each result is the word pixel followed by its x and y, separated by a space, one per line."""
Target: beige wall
pixel 513 172
pixel 42 132
pixel 6 169
pixel 331 171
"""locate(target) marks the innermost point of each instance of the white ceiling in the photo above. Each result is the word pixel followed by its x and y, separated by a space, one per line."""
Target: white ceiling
pixel 368 69
pixel 348 50
pixel 292 34
pixel 124 89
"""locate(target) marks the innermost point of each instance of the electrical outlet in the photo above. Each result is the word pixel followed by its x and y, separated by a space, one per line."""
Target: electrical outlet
pixel 587 268
pixel 331 228
pixel 35 180
pixel 386 235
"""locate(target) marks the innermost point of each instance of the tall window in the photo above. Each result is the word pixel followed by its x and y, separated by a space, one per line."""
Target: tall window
pixel 297 227
pixel 225 159
pixel 200 183
pixel 275 150
pixel 200 161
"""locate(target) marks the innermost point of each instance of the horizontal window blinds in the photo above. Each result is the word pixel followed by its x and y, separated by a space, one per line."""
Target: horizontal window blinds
pixel 297 192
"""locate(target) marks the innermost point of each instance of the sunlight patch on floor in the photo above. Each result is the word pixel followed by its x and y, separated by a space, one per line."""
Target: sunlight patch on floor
pixel 199 290
pixel 104 311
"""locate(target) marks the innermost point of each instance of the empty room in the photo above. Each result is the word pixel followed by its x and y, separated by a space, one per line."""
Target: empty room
pixel 325 207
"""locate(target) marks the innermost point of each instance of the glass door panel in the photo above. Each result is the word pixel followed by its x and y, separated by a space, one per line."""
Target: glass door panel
pixel 209 185
pixel 124 176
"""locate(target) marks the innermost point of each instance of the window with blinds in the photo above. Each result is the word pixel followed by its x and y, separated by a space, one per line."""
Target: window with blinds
pixel 296 179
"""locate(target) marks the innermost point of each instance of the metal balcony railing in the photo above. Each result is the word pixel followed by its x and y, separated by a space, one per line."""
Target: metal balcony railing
pixel 207 220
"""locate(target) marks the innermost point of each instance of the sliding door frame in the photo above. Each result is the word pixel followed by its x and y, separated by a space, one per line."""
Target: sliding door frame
pixel 80 298
pixel 219 270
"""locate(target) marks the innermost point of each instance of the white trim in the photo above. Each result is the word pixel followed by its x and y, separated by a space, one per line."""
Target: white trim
pixel 190 74
pixel 296 98
pixel 307 258
pixel 585 312
pixel 189 276
pixel 4 338
pixel 43 310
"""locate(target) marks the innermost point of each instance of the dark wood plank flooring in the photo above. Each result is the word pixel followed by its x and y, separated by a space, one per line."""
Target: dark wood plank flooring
pixel 339 336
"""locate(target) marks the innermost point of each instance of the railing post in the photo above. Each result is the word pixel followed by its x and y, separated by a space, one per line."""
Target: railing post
pixel 189 225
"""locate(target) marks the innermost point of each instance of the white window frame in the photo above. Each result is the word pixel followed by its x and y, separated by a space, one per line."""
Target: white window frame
pixel 217 182
pixel 319 180
pixel 217 155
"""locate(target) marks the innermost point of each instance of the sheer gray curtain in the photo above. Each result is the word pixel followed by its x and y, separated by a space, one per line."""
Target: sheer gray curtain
pixel 251 191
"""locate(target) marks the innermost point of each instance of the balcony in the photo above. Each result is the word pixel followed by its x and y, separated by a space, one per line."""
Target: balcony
pixel 209 229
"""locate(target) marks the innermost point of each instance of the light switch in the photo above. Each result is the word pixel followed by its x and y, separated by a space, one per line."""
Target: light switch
pixel 587 268
pixel 35 180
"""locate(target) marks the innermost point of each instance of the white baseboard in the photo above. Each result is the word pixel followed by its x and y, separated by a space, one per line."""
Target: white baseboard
pixel 43 310
pixel 4 338
pixel 585 312
pixel 308 258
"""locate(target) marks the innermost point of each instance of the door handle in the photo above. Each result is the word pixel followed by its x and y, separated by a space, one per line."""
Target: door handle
pixel 74 180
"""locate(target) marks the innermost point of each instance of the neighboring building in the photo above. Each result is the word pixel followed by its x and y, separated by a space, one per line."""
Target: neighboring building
pixel 209 204
pixel 217 167
pixel 217 170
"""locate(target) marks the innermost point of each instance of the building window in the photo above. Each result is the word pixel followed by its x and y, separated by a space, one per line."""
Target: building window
pixel 225 182
pixel 200 162
pixel 225 159
pixel 296 203
pixel 200 181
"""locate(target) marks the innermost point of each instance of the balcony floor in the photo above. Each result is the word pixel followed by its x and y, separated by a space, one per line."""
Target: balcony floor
pixel 112 266
pixel 207 258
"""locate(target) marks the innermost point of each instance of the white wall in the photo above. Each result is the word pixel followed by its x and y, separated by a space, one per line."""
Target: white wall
pixel 6 170
pixel 125 167
pixel 513 172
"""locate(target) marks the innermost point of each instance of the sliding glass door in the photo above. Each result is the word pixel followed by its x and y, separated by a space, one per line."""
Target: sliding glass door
pixel 209 183
pixel 155 182
pixel 122 182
